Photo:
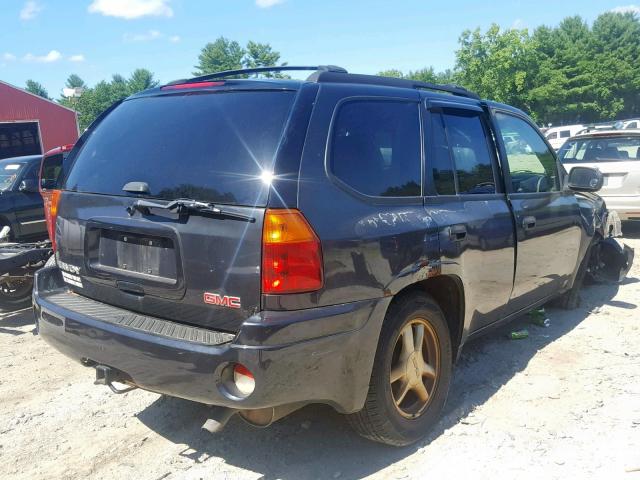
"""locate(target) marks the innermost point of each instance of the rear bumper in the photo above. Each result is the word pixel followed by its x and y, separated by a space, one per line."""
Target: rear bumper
pixel 626 206
pixel 320 355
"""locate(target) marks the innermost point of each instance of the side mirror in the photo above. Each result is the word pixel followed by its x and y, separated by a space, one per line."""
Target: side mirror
pixel 585 179
pixel 28 186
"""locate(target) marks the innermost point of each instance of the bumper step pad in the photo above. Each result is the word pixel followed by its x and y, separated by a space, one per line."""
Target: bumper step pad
pixel 125 318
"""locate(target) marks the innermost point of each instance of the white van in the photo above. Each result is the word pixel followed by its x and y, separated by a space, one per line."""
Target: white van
pixel 558 135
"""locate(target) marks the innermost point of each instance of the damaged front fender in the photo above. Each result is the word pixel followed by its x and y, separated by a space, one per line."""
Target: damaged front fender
pixel 610 261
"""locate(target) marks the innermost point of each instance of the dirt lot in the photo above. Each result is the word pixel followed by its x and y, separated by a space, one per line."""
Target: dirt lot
pixel 564 403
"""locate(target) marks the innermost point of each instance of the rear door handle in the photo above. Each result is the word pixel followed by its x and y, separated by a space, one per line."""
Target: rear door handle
pixel 528 223
pixel 457 233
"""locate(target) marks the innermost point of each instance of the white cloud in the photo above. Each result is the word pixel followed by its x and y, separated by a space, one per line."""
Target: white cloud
pixel 268 3
pixel 627 9
pixel 9 57
pixel 52 56
pixel 30 10
pixel 76 58
pixel 142 37
pixel 130 9
pixel 149 36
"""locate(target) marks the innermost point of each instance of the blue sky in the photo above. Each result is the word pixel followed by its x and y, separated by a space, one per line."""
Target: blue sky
pixel 46 40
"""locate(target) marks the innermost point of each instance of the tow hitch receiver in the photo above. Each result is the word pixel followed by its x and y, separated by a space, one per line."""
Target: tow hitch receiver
pixel 107 375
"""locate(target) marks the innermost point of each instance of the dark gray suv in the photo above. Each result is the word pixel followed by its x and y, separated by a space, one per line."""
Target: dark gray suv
pixel 258 245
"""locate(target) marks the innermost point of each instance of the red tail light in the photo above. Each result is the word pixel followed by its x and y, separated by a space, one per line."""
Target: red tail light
pixel 51 198
pixel 291 254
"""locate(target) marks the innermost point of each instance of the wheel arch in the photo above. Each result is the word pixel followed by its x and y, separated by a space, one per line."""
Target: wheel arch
pixel 448 293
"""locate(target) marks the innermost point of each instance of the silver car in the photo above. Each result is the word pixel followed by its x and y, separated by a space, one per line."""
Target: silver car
pixel 616 153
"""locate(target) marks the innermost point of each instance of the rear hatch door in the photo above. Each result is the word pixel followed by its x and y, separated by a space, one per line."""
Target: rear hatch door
pixel 205 155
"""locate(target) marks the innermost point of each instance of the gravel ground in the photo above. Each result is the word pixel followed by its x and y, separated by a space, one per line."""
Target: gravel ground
pixel 563 403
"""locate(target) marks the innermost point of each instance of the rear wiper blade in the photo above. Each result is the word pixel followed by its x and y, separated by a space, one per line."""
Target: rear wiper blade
pixel 184 206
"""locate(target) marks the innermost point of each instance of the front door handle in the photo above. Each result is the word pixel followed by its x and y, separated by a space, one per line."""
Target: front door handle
pixel 529 223
pixel 457 233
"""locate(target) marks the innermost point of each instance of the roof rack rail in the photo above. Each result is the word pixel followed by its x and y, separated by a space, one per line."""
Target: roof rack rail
pixel 249 71
pixel 330 76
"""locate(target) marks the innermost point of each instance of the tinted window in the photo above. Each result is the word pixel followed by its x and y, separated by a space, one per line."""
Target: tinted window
pixel 552 136
pixel 375 148
pixel 601 149
pixel 470 151
pixel 441 164
pixel 51 170
pixel 565 133
pixel 531 163
pixel 9 171
pixel 208 146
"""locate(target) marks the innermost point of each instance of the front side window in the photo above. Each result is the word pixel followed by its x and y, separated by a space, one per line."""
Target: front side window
pixel 375 148
pixel 552 136
pixel 531 163
pixel 467 139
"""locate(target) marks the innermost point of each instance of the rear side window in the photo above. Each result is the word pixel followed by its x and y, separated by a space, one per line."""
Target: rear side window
pixel 565 133
pixel 467 139
pixel 207 146
pixel 441 164
pixel 375 148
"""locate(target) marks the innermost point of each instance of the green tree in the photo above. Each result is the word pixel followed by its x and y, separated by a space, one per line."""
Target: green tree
pixel 141 79
pixel 223 54
pixel 496 64
pixel 74 81
pixel 95 100
pixel 262 55
pixel 394 73
pixel 37 89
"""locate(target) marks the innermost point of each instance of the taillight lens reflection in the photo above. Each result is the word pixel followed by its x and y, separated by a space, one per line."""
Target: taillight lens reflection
pixel 51 198
pixel 291 254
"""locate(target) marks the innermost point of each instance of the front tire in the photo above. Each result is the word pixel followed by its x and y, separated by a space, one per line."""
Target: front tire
pixel 411 374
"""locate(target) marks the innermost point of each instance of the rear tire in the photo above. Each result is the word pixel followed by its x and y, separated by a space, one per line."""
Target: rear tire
pixel 385 419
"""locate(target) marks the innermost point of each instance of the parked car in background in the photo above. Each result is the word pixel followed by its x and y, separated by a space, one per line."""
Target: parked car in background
pixel 558 135
pixel 263 244
pixel 616 153
pixel 21 206
pixel 631 124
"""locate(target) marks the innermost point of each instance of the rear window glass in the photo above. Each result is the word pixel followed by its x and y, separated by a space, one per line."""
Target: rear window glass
pixel 612 149
pixel 211 147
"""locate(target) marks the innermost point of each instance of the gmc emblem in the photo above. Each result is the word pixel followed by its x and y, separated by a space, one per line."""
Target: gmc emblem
pixel 221 301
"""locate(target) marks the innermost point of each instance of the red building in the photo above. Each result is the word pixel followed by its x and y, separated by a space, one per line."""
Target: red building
pixel 30 124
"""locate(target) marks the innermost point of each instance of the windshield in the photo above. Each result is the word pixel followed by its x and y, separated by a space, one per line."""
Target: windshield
pixel 9 170
pixel 599 149
pixel 211 147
